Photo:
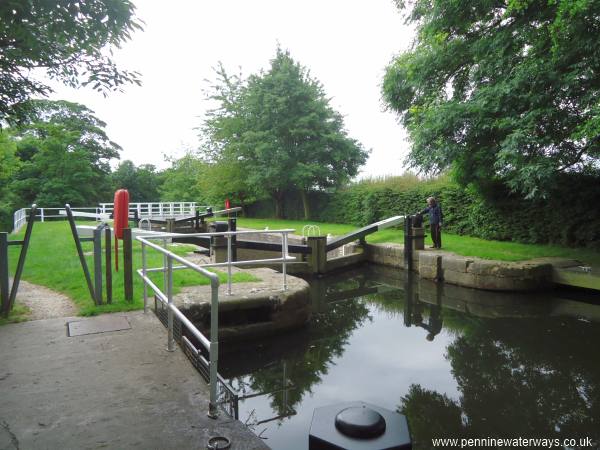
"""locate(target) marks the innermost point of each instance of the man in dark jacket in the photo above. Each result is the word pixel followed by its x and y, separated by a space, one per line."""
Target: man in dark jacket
pixel 436 219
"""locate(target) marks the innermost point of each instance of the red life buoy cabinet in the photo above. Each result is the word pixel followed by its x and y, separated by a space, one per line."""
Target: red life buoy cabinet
pixel 121 219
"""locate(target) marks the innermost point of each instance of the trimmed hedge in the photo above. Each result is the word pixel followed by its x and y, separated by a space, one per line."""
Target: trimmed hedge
pixel 569 217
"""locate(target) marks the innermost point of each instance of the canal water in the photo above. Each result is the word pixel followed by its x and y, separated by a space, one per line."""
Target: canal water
pixel 457 362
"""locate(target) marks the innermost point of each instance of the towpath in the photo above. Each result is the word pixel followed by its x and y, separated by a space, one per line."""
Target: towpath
pixel 114 389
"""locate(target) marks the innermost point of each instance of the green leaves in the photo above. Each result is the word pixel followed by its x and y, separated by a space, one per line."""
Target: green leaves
pixel 182 181
pixel 64 155
pixel 278 129
pixel 142 181
pixel 68 39
pixel 501 92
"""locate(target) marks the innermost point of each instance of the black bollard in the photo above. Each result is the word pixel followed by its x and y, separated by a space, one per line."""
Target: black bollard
pixel 359 426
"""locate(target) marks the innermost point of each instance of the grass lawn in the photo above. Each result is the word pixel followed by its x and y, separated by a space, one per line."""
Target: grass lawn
pixel 18 314
pixel 52 261
pixel 461 245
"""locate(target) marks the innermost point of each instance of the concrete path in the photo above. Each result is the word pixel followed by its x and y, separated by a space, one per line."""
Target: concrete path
pixel 118 389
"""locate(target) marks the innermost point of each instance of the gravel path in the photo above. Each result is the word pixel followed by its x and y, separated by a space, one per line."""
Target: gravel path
pixel 44 303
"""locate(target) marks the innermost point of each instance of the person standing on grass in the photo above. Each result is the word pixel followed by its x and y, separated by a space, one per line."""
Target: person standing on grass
pixel 436 219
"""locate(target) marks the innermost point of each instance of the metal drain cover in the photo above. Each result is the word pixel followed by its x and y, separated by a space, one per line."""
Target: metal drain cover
pixel 102 324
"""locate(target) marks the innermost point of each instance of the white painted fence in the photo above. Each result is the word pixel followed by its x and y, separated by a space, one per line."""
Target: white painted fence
pixel 149 209
pixel 152 209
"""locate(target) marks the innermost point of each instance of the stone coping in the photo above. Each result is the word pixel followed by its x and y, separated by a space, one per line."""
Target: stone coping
pixel 473 272
pixel 253 309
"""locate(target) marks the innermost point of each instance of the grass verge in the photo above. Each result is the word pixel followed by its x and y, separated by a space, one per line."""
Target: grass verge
pixel 19 313
pixel 52 261
pixel 461 245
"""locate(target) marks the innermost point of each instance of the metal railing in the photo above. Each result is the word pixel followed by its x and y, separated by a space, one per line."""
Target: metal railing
pixel 311 230
pixel 20 216
pixel 229 235
pixel 166 298
pixel 211 345
pixel 156 209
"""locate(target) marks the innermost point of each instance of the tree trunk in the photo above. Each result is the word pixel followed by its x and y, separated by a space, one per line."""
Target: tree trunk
pixel 305 203
pixel 278 196
pixel 242 205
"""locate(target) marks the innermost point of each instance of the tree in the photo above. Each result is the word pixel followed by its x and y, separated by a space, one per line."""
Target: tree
pixel 64 155
pixel 279 127
pixel 69 39
pixel 9 167
pixel 182 181
pixel 503 91
pixel 142 182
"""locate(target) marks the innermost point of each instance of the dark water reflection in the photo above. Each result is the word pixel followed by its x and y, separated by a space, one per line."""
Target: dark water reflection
pixel 457 362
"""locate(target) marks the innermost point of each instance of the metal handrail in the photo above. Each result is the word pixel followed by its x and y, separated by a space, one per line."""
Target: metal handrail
pixel 308 229
pixel 221 233
pixel 284 260
pixel 211 345
pixel 145 220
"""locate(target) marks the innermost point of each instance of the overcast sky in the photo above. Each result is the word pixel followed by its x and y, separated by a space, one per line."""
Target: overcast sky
pixel 345 44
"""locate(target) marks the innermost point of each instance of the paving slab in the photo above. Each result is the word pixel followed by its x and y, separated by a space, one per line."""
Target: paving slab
pixel 115 389
pixel 102 324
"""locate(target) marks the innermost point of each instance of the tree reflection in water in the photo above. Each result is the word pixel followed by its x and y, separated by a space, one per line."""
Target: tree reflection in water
pixel 526 378
pixel 519 371
pixel 287 369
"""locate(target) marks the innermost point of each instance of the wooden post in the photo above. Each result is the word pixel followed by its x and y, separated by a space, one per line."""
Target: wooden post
pixel 98 266
pixel 108 264
pixel 170 225
pixel 418 238
pixel 317 259
pixel 128 264
pixel 4 274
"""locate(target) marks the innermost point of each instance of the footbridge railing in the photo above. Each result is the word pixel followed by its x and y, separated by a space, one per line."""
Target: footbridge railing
pixel 156 209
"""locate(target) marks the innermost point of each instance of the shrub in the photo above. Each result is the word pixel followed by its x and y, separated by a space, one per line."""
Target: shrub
pixel 569 216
